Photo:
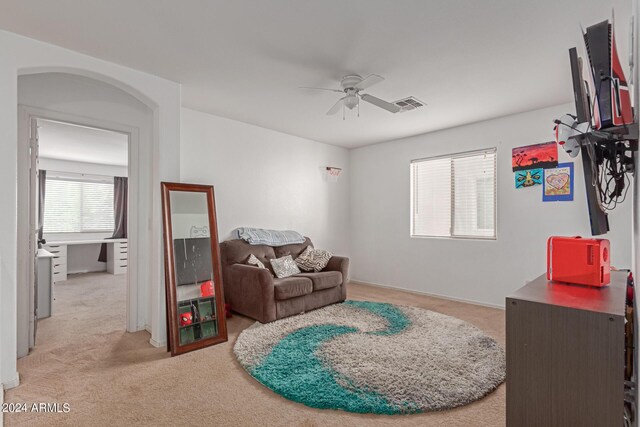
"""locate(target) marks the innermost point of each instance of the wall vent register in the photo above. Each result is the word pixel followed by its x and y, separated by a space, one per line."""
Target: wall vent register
pixel 408 104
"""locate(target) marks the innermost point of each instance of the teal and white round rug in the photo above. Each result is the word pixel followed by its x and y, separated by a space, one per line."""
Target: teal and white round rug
pixel 370 357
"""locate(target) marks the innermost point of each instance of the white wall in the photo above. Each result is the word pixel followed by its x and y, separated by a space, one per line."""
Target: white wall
pixel 267 179
pixel 181 224
pixel 84 259
pixel 28 56
pixel 483 271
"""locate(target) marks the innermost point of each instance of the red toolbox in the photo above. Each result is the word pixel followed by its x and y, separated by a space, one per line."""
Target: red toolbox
pixel 577 260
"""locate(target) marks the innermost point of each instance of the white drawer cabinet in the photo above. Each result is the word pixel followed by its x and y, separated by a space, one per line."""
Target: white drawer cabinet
pixel 59 252
pixel 45 283
pixel 117 257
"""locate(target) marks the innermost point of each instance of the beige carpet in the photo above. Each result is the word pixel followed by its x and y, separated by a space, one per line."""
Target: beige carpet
pixel 84 357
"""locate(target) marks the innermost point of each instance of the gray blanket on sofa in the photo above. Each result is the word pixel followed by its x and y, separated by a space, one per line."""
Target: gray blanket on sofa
pixel 260 236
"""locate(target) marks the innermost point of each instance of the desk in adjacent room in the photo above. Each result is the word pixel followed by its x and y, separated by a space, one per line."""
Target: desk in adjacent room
pixel 117 255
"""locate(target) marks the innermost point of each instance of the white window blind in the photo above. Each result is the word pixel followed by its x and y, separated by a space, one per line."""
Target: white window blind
pixel 78 206
pixel 454 196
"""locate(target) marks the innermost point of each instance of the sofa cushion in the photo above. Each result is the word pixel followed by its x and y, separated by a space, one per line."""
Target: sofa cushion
pixel 237 251
pixel 293 250
pixel 323 279
pixel 291 287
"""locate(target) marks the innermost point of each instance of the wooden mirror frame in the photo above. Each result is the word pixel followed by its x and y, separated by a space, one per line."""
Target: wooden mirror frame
pixel 173 335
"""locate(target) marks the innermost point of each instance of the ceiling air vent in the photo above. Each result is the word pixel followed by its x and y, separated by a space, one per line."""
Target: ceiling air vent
pixel 410 103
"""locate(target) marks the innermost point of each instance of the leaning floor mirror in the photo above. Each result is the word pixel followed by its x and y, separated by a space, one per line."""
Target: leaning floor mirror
pixel 193 280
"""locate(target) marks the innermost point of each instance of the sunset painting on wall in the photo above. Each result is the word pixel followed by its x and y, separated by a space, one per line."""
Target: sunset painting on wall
pixel 538 156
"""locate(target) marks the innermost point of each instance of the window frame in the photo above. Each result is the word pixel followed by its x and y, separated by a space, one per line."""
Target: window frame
pixel 451 157
pixel 82 178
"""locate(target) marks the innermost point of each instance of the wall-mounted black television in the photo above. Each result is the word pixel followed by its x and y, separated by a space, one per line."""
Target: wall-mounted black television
pixel 597 216
pixel 192 260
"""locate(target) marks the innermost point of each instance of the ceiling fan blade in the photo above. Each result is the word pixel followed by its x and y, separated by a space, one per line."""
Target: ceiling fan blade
pixel 320 88
pixel 393 108
pixel 336 107
pixel 369 81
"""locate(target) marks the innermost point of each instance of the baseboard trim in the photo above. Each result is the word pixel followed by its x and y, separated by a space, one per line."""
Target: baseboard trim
pixel 137 329
pixel 157 344
pixel 86 271
pixel 15 382
pixel 429 294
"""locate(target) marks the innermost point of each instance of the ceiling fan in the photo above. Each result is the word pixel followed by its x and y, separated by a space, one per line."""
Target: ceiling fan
pixel 352 85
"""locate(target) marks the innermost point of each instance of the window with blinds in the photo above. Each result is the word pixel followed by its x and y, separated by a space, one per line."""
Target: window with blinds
pixel 78 206
pixel 454 196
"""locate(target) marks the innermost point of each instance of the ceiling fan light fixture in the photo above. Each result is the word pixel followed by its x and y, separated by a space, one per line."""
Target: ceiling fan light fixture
pixel 352 85
pixel 350 101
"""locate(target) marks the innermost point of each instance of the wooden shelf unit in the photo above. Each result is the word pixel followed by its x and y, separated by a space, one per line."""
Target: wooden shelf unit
pixel 197 328
pixel 566 354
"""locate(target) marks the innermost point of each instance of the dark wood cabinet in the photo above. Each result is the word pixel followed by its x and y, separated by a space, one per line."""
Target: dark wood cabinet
pixel 565 354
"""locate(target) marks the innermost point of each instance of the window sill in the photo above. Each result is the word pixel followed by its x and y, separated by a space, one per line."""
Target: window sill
pixel 495 238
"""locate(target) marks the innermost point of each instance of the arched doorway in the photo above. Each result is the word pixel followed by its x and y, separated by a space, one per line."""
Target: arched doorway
pixel 78 99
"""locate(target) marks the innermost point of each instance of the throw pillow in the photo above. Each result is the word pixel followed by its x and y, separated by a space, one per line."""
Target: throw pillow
pixel 313 259
pixel 303 258
pixel 253 260
pixel 284 267
pixel 304 261
pixel 321 259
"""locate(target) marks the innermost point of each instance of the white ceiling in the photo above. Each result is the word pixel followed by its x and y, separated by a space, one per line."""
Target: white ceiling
pixel 63 141
pixel 244 59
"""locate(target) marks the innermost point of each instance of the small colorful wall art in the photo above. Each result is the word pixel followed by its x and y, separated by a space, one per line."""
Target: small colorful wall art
pixel 529 178
pixel 558 184
pixel 537 156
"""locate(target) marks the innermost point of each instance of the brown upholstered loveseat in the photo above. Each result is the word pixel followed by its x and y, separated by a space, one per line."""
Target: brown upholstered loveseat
pixel 256 293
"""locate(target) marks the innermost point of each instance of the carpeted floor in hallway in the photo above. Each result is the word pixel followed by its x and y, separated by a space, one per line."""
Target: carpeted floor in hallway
pixel 84 357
